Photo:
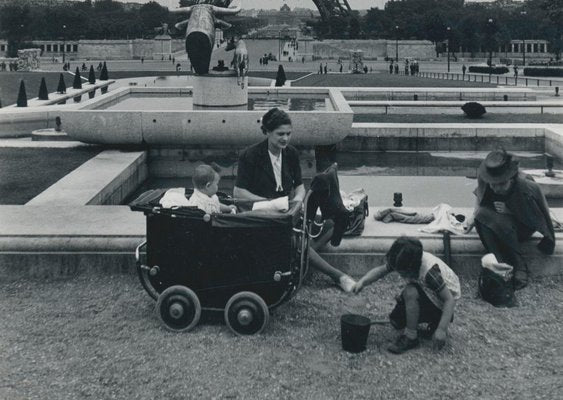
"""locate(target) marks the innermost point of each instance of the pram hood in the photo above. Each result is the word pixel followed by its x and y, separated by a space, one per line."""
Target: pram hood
pixel 148 203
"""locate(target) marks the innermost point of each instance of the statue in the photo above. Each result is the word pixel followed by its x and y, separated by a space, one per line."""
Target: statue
pixel 200 33
pixel 28 59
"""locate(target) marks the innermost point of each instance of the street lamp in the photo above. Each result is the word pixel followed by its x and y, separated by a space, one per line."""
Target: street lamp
pixel 490 26
pixel 397 43
pixel 64 42
pixel 523 14
pixel 448 34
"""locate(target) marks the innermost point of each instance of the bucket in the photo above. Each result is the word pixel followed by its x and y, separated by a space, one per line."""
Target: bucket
pixel 354 330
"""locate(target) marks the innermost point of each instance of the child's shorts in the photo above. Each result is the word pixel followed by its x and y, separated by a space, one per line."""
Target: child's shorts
pixel 429 312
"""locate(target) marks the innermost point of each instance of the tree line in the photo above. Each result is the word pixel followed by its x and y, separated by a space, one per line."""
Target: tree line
pixel 472 26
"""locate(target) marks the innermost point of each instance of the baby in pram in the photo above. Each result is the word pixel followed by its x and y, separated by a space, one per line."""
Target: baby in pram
pixel 206 183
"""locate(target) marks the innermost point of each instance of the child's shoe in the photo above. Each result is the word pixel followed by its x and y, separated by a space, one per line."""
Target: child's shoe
pixel 403 344
pixel 346 283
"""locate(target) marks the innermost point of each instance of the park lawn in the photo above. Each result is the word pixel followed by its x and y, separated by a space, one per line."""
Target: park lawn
pixel 380 79
pixel 96 336
pixel 460 118
pixel 26 172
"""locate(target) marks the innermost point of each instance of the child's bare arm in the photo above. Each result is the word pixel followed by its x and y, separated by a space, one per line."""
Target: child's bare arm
pixel 371 276
pixel 447 313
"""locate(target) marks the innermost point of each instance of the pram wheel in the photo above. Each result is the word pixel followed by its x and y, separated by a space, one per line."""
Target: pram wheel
pixel 246 313
pixel 178 308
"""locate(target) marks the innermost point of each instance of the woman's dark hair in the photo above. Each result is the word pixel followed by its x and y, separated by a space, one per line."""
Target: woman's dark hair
pixel 405 255
pixel 273 119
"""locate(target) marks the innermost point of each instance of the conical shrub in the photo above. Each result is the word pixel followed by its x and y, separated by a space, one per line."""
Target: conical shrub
pixel 104 73
pixel 22 95
pixel 43 92
pixel 77 83
pixel 280 76
pixel 61 87
pixel 92 75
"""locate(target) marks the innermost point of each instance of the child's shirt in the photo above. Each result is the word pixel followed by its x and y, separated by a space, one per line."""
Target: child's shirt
pixel 433 276
pixel 202 201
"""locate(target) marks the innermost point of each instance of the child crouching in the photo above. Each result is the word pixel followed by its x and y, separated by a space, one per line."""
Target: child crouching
pixel 429 296
pixel 204 197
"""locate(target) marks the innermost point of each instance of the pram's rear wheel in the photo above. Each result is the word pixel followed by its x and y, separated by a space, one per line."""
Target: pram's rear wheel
pixel 246 313
pixel 178 308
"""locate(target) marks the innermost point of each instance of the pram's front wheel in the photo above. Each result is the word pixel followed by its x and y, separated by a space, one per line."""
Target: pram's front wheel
pixel 246 313
pixel 178 308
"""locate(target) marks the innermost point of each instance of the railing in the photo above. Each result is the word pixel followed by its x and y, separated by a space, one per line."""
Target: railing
pixel 493 79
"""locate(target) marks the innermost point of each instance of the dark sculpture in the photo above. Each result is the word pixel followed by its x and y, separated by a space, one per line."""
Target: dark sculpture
pixel 200 33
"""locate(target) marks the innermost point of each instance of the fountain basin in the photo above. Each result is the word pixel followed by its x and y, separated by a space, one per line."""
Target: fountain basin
pixel 92 122
pixel 552 187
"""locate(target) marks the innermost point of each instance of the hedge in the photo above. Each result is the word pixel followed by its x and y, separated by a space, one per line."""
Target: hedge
pixel 488 70
pixel 473 109
pixel 543 71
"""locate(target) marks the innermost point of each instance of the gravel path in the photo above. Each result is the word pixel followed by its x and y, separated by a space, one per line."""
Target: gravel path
pixel 98 338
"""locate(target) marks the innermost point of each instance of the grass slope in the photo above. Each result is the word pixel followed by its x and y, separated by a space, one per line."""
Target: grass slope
pixel 26 172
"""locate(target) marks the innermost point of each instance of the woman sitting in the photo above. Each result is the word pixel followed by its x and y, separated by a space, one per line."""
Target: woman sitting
pixel 271 169
pixel 510 207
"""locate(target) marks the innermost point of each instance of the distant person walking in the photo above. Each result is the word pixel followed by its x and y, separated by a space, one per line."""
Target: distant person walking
pixel 397 69
pixel 321 68
pixel 391 67
pixel 326 68
pixel 463 69
pixel 340 68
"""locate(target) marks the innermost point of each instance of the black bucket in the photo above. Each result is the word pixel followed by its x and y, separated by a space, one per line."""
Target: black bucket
pixel 354 330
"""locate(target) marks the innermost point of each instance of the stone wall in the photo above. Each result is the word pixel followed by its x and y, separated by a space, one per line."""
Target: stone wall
pixel 124 49
pixel 374 49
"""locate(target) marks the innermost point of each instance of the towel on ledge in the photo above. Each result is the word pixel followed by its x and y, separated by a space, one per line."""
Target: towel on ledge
pixel 444 220
pixel 403 215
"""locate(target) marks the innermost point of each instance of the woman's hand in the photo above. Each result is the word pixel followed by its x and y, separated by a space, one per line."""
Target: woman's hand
pixel 439 339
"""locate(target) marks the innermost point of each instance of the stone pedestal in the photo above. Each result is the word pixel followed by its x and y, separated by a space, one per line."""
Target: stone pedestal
pixel 220 90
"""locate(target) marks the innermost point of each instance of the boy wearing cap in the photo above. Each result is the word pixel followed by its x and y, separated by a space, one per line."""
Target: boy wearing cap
pixel 509 208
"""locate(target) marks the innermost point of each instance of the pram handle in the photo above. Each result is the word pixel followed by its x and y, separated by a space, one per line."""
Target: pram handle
pixel 138 250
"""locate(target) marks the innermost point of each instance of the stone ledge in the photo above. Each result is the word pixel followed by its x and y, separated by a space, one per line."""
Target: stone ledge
pixel 98 181
pixel 34 243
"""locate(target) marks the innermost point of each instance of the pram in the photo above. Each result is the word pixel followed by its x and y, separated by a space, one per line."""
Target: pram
pixel 242 264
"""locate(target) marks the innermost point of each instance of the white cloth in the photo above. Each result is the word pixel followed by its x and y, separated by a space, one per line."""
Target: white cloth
pixel 352 199
pixel 444 220
pixel 489 261
pixel 277 167
pixel 202 201
pixel 174 197
pixel 279 204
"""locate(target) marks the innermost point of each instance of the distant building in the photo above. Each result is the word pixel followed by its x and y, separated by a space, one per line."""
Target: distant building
pixel 285 16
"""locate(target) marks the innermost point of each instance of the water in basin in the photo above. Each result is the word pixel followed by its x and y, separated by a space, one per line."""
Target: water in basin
pixel 424 178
